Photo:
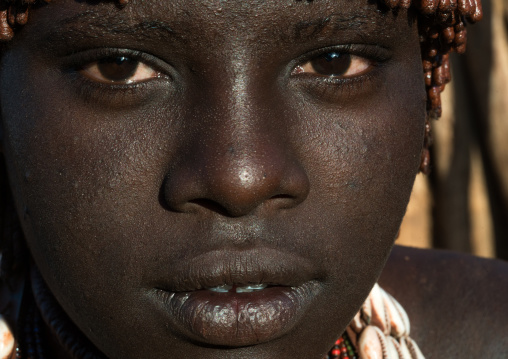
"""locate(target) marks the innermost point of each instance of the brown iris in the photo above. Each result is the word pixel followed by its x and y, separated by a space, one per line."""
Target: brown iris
pixel 117 69
pixel 331 64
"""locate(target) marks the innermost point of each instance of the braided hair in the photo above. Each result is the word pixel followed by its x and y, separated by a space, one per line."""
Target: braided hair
pixel 442 30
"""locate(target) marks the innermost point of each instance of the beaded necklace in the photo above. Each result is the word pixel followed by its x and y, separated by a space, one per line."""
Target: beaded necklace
pixel 342 349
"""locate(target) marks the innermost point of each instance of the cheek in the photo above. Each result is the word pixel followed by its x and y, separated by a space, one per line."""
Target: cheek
pixel 363 160
pixel 369 147
pixel 84 183
pixel 80 179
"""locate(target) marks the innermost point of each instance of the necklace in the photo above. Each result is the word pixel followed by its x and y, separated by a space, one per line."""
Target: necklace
pixel 380 330
pixel 342 349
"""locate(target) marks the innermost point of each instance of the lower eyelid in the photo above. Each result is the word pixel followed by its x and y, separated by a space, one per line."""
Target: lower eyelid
pixel 120 95
pixel 336 89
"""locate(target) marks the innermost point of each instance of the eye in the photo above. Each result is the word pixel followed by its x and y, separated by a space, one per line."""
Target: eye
pixel 119 70
pixel 335 64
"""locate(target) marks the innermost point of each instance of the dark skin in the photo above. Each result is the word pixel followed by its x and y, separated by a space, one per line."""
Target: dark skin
pixel 226 154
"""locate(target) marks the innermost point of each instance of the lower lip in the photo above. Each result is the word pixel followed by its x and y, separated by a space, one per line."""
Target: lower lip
pixel 238 319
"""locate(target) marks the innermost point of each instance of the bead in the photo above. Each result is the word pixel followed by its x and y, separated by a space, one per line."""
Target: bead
pixel 392 4
pixel 444 5
pixel 6 339
pixel 429 6
pixel 405 4
pixel 6 32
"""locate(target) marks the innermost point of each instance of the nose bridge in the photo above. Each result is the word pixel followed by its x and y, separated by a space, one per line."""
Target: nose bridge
pixel 243 116
pixel 237 157
pixel 238 145
pixel 236 91
pixel 243 154
pixel 232 117
pixel 238 130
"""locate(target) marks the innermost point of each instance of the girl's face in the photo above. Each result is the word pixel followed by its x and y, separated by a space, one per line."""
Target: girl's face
pixel 168 147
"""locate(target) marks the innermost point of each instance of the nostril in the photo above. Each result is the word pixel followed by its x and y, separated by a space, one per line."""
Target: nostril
pixel 282 201
pixel 284 196
pixel 210 205
pixel 264 180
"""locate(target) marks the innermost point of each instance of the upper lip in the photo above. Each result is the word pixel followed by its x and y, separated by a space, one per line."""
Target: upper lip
pixel 238 267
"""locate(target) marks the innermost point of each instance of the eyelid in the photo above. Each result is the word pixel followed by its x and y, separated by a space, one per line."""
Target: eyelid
pixel 375 54
pixel 359 66
pixel 83 60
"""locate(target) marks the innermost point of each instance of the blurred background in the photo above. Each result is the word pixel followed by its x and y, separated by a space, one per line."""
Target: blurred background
pixel 463 204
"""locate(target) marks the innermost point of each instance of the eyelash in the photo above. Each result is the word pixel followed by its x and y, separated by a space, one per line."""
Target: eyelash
pixel 322 87
pixel 374 53
pixel 94 91
pixel 332 89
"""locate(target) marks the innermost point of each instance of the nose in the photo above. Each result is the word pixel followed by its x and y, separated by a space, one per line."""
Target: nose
pixel 235 162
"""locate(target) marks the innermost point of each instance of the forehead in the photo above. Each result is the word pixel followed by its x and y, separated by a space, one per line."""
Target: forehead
pixel 233 21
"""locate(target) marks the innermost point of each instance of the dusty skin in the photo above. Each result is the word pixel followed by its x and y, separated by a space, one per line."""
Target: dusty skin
pixel 230 156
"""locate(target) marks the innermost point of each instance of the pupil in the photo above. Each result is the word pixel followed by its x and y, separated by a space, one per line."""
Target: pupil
pixel 117 69
pixel 332 64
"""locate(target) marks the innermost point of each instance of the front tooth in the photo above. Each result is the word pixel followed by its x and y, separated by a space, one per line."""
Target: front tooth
pixel 221 288
pixel 250 288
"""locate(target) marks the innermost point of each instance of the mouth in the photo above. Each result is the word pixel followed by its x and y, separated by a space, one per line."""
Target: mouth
pixel 239 299
pixel 238 289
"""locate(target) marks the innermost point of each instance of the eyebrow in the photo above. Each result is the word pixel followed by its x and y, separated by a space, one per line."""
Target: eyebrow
pixel 93 25
pixel 330 24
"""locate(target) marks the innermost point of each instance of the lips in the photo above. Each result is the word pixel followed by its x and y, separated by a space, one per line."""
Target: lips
pixel 231 298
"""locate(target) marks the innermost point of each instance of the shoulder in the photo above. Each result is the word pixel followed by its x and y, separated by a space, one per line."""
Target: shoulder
pixel 457 303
